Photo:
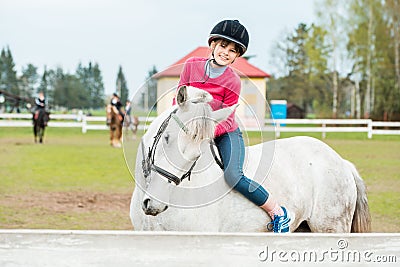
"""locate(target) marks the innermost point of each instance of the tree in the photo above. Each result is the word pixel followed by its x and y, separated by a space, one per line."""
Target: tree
pixel 331 19
pixel 121 86
pixel 391 15
pixel 8 74
pixel 85 77
pixel 295 86
pixel 98 88
pixel 149 95
pixel 372 45
pixel 44 83
pixel 69 91
pixel 345 62
pixel 92 82
pixel 318 50
pixel 29 81
pixel 48 83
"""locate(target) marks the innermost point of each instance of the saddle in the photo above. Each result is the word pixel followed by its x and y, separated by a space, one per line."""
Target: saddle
pixel 36 115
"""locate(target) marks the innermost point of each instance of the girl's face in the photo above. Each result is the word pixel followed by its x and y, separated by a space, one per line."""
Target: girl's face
pixel 225 52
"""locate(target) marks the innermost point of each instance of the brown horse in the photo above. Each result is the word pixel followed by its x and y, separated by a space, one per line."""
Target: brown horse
pixel 114 120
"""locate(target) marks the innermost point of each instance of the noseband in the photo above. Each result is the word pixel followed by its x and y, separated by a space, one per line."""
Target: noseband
pixel 148 162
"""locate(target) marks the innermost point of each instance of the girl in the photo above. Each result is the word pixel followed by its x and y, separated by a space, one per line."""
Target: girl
pixel 227 41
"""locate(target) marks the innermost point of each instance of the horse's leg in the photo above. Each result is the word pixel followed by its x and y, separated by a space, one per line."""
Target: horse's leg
pixel 114 136
pixel 41 135
pixel 334 207
pixel 336 219
pixel 120 133
pixel 35 132
pixel 133 129
pixel 135 124
pixel 111 135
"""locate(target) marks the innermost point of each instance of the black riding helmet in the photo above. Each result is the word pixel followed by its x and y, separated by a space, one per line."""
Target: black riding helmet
pixel 233 31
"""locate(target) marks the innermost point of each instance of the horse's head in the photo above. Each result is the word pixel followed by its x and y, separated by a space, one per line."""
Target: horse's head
pixel 177 145
pixel 113 116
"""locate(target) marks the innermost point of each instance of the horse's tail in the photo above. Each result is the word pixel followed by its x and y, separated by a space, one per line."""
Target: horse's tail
pixel 362 218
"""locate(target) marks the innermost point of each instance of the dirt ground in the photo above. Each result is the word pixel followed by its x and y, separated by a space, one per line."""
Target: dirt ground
pixel 86 211
pixel 56 208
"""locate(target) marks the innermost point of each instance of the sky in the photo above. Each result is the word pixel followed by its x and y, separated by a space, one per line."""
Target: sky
pixel 138 34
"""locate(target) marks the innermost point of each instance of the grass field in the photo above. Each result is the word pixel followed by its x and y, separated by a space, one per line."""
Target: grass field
pixel 77 181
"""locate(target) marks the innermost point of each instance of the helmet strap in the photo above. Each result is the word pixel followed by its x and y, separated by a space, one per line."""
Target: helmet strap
pixel 216 63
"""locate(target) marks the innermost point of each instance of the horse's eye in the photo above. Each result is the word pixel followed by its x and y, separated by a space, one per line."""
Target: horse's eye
pixel 166 137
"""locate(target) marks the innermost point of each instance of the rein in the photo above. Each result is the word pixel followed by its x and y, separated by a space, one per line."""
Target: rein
pixel 216 158
pixel 148 162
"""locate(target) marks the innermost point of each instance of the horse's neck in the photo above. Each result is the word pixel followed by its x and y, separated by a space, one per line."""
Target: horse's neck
pixel 41 116
pixel 207 170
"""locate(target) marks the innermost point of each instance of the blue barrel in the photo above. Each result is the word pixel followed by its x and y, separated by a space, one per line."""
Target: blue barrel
pixel 278 109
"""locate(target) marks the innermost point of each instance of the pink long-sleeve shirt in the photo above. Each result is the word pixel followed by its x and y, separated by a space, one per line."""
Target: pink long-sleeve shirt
pixel 225 89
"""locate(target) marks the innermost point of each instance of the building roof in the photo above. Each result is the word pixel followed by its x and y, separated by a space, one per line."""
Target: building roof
pixel 241 66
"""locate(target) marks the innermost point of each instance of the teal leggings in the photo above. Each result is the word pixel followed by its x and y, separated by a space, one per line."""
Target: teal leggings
pixel 232 151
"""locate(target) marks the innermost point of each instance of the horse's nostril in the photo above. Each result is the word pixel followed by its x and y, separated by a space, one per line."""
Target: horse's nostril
pixel 146 203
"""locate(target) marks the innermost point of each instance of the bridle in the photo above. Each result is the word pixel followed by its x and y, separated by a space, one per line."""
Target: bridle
pixel 148 162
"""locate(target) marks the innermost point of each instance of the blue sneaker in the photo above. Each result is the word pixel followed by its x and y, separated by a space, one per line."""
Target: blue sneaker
pixel 280 224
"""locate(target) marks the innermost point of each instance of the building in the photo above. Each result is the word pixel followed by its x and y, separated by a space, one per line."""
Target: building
pixel 252 101
pixel 295 112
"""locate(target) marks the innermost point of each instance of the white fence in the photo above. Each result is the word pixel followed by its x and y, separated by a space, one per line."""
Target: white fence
pixel 61 120
pixel 36 248
pixel 322 126
pixel 338 126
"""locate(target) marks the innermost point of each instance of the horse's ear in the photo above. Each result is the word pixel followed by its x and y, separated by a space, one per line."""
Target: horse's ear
pixel 181 96
pixel 223 114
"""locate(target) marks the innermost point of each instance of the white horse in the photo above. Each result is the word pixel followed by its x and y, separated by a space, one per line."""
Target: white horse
pixel 180 187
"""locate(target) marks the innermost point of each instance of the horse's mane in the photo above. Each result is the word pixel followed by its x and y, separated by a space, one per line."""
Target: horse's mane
pixel 201 126
pixel 111 110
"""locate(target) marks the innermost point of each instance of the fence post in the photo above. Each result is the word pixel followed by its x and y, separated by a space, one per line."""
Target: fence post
pixel 369 127
pixel 84 129
pixel 277 129
pixel 323 131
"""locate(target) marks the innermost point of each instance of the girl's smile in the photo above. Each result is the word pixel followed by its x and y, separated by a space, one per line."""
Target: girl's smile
pixel 225 53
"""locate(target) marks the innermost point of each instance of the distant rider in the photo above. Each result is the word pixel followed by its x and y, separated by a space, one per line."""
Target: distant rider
pixel 116 102
pixel 40 104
